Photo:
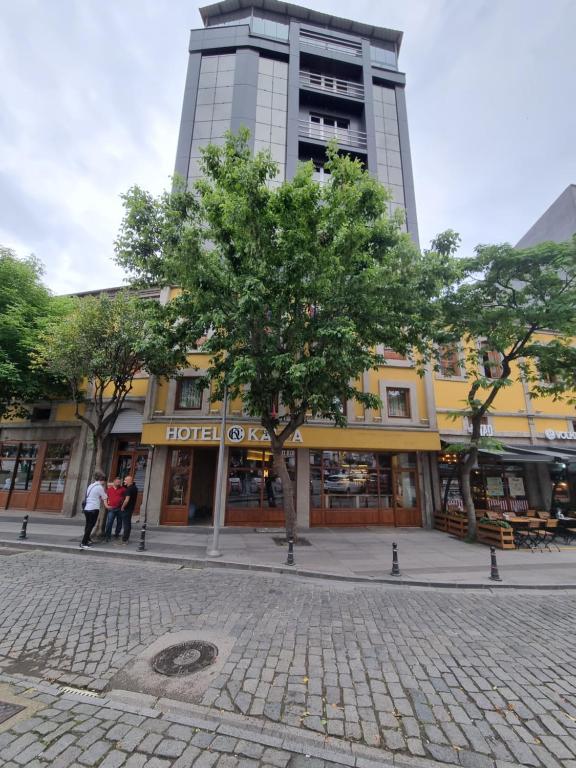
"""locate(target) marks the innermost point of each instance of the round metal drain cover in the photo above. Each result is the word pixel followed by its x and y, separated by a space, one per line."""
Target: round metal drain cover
pixel 184 658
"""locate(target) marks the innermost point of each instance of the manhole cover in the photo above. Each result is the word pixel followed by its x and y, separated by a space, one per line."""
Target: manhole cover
pixel 8 710
pixel 184 658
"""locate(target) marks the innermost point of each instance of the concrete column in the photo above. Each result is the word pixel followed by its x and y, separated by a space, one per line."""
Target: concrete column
pixel 155 477
pixel 533 491
pixel 545 484
pixel 303 488
pixel 425 489
pixel 79 475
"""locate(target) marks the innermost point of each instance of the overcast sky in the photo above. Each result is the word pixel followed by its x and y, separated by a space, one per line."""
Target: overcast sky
pixel 91 92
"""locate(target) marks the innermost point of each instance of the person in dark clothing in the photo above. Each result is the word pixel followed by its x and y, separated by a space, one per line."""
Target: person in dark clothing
pixel 128 506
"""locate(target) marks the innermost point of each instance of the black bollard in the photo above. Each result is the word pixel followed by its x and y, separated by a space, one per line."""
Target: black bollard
pixel 395 567
pixel 494 575
pixel 22 534
pixel 142 542
pixel 290 559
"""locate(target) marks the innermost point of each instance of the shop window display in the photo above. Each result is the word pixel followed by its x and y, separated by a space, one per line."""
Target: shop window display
pixel 360 480
pixel 253 481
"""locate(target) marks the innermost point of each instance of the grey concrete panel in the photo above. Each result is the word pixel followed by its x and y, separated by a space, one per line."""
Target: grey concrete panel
pixel 245 91
pixel 293 101
pixel 369 126
pixel 187 119
pixel 409 194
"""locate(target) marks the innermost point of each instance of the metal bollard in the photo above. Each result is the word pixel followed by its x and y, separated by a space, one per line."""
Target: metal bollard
pixel 142 543
pixel 395 567
pixel 290 559
pixel 494 575
pixel 22 534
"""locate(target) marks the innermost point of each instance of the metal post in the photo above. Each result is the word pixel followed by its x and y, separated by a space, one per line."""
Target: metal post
pixel 142 542
pixel 290 558
pixel 494 575
pixel 22 534
pixel 395 567
pixel 214 551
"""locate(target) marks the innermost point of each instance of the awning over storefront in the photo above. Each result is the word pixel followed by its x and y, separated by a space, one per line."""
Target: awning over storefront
pixel 514 454
pixel 309 436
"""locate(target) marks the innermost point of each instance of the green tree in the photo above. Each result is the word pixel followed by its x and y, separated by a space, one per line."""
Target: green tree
pixel 25 305
pixel 291 287
pixel 515 310
pixel 100 347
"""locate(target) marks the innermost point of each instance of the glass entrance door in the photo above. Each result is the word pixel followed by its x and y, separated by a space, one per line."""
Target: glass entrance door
pixel 131 458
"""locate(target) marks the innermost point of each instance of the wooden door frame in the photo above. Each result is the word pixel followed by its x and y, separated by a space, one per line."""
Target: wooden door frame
pixel 166 483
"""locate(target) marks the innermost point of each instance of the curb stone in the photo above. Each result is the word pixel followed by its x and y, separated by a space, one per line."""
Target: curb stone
pixel 204 563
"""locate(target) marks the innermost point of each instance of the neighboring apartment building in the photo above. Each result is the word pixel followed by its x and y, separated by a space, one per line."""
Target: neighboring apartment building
pixel 533 431
pixel 557 223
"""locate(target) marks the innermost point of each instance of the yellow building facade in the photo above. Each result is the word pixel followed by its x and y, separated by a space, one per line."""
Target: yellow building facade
pixel 388 467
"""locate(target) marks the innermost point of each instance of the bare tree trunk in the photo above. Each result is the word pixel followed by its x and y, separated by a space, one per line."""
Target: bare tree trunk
pixel 465 475
pixel 98 467
pixel 287 491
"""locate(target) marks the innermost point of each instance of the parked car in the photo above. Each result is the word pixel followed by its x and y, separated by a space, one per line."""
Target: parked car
pixel 343 483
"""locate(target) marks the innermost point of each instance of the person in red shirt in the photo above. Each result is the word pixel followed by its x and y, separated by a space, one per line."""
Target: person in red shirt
pixel 116 494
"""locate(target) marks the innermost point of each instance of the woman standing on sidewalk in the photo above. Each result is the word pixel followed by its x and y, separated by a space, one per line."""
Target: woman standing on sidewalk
pixel 95 494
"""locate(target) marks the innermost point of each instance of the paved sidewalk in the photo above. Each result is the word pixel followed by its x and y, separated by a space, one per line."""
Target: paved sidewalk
pixel 365 553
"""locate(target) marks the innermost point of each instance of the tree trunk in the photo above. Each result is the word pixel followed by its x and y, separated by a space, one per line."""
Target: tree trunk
pixel 98 467
pixel 287 492
pixel 465 473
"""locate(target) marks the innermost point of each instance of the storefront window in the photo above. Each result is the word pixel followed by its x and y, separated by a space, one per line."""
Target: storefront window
pixel 25 460
pixel 358 480
pixel 55 468
pixel 253 481
pixel 179 476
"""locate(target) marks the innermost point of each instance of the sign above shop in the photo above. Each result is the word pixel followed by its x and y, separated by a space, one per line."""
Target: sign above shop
pixel 486 430
pixel 553 434
pixel 234 433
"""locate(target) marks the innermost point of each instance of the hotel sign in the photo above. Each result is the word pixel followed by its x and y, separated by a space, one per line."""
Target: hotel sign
pixel 553 434
pixel 235 433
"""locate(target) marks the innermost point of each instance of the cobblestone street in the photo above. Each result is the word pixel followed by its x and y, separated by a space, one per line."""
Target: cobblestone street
pixel 473 678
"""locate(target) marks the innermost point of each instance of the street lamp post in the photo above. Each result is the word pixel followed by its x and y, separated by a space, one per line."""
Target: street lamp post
pixel 214 551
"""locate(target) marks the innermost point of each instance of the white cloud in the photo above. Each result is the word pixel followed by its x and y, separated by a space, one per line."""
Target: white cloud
pixel 92 95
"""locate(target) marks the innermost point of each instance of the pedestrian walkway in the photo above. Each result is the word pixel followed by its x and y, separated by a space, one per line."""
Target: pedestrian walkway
pixel 425 557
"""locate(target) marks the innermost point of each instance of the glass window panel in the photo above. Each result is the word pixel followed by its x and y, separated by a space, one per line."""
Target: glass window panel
pixel 189 395
pixel 209 64
pixel 226 62
pixel 405 460
pixel 225 78
pixel 386 492
pixel 406 490
pixel 202 130
pixel 207 80
pixel 265 66
pixel 139 470
pixel 219 128
pixel 179 476
pixel 205 96
pixel 55 468
pixel 398 401
pixel 222 112
pixel 263 98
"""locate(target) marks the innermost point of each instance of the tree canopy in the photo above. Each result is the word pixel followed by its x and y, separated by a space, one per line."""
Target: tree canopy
pixel 293 289
pixel 515 311
pixel 97 351
pixel 25 305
